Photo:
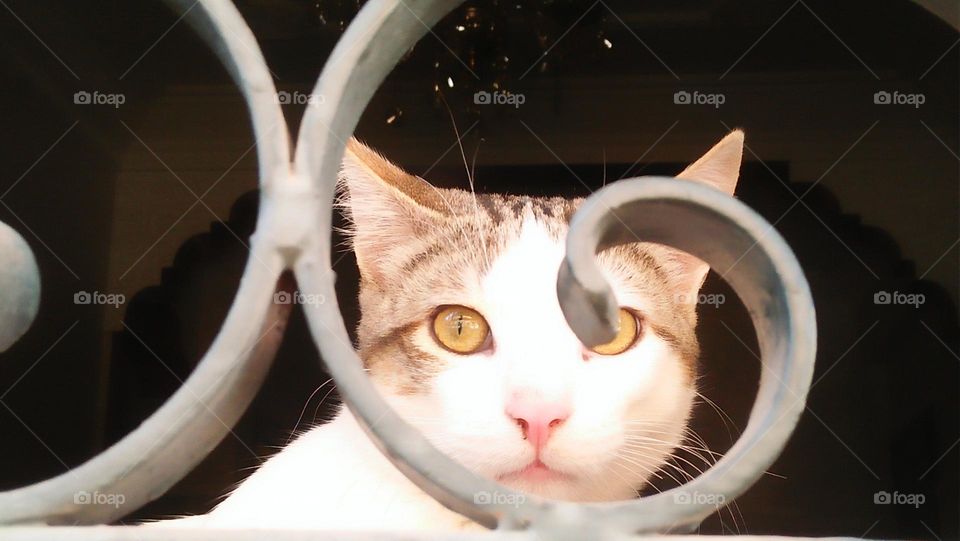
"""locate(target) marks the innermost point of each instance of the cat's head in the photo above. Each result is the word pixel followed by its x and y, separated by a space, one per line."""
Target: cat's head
pixel 462 331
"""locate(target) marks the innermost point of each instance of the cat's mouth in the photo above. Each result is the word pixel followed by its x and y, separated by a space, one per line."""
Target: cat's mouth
pixel 535 471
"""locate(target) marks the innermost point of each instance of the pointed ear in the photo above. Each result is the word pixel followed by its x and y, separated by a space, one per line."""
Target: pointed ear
pixel 719 168
pixel 386 206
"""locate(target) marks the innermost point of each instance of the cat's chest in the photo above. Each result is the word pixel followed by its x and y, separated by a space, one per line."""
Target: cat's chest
pixel 333 478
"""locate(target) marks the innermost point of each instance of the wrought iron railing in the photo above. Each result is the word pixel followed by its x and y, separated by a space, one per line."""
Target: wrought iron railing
pixel 293 232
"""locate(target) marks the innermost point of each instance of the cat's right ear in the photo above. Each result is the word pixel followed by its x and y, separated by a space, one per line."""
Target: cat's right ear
pixel 386 207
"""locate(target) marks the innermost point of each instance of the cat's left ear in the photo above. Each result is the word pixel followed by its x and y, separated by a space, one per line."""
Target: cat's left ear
pixel 719 168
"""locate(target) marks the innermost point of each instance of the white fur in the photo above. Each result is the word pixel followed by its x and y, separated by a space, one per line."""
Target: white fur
pixel 333 478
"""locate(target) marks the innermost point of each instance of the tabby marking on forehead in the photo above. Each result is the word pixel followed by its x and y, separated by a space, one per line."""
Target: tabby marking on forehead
pixel 524 250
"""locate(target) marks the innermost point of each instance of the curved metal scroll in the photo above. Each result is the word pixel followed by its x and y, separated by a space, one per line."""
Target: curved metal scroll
pixel 756 262
pixel 149 460
pixel 293 230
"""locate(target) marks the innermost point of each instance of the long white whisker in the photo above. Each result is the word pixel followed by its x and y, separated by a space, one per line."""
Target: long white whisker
pixel 609 467
pixel 470 180
pixel 304 410
pixel 724 417
pixel 626 455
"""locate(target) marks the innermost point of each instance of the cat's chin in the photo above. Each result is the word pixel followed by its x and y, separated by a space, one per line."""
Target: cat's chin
pixel 561 487
pixel 535 472
pixel 549 481
pixel 538 479
pixel 546 486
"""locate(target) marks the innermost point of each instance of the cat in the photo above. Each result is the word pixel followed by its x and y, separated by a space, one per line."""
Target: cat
pixel 462 333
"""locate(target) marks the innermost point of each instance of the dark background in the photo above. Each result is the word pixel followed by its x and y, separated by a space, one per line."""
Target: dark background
pixel 866 195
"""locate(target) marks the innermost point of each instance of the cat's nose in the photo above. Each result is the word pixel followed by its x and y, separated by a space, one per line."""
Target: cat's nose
pixel 537 417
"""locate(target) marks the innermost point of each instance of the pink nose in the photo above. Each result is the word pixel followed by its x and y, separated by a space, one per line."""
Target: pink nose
pixel 536 417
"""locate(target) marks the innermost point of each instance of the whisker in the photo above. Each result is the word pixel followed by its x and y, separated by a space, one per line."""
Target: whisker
pixel 470 180
pixel 609 467
pixel 304 410
pixel 724 417
pixel 626 456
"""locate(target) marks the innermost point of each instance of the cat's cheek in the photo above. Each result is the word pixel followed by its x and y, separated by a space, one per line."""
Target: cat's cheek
pixel 616 381
pixel 661 411
pixel 583 445
pixel 647 391
pixel 469 390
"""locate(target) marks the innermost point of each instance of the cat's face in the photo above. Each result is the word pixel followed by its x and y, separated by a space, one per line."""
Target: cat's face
pixel 462 331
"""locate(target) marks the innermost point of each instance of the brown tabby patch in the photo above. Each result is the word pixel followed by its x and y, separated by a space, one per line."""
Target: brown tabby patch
pixel 451 254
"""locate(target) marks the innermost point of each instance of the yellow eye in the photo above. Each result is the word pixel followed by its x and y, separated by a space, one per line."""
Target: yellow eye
pixel 626 335
pixel 460 329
